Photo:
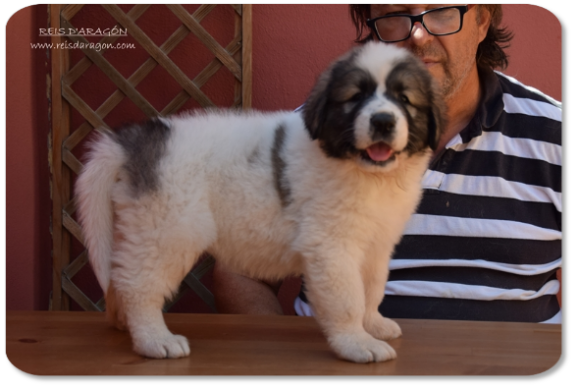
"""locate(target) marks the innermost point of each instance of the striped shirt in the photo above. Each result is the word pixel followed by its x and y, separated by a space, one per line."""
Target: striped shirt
pixel 486 240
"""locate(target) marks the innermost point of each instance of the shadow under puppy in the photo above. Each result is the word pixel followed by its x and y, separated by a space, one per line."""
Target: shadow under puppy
pixel 324 192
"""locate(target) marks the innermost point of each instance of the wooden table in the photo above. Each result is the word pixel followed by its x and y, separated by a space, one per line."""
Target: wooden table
pixel 83 343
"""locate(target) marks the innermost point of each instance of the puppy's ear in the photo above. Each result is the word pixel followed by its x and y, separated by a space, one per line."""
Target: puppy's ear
pixel 436 119
pixel 433 135
pixel 314 108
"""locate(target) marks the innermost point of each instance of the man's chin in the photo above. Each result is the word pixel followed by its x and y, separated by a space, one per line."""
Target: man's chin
pixel 439 74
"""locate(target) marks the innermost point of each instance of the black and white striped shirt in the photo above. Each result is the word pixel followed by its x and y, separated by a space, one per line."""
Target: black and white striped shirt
pixel 486 240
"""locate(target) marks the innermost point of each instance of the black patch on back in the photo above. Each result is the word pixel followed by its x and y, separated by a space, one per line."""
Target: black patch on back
pixel 145 144
pixel 279 166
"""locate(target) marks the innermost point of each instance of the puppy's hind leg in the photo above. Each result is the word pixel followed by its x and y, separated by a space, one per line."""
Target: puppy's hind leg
pixel 147 269
pixel 114 313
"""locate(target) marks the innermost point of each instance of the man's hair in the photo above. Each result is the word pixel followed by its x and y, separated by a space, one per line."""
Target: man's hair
pixel 490 52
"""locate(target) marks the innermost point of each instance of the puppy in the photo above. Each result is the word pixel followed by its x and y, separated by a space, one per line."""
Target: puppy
pixel 324 192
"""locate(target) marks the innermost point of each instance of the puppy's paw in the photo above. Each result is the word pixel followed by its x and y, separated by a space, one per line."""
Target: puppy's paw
pixel 168 346
pixel 361 348
pixel 382 328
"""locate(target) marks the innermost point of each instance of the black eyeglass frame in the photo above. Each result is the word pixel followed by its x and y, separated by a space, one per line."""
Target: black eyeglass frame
pixel 418 18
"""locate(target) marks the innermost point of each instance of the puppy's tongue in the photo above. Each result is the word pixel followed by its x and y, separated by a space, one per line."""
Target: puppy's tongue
pixel 379 151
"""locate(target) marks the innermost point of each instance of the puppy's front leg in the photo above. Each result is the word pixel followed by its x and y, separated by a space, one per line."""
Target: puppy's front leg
pixel 335 290
pixel 375 273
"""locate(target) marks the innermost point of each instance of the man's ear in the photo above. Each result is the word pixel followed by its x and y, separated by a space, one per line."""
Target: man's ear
pixel 484 19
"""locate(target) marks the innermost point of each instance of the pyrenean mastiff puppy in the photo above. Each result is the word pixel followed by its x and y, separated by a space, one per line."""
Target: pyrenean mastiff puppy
pixel 324 192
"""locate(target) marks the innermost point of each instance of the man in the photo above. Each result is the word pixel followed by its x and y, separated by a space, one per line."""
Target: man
pixel 485 243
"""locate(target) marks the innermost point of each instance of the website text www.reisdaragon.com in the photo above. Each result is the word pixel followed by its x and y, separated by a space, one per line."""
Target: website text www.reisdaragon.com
pixel 83 45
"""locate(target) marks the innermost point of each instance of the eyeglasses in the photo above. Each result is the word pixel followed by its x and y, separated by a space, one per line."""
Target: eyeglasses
pixel 438 22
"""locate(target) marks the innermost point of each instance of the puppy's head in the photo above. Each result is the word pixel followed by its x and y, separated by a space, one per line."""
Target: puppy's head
pixel 375 103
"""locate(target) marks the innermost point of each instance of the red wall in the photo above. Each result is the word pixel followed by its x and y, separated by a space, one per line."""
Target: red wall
pixel 28 205
pixel 292 44
pixel 536 50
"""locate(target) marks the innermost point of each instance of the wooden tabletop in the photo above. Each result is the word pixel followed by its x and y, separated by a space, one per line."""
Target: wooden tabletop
pixel 83 343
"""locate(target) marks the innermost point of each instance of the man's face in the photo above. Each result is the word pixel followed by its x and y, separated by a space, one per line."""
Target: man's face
pixel 450 59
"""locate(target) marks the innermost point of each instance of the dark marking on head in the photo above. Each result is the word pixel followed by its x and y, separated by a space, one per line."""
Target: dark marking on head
pixel 279 166
pixel 330 111
pixel 145 144
pixel 410 85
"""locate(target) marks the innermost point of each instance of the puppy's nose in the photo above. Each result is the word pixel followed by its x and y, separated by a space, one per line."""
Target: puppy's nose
pixel 383 124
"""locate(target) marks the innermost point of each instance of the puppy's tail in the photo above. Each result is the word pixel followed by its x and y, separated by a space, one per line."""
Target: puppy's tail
pixel 93 191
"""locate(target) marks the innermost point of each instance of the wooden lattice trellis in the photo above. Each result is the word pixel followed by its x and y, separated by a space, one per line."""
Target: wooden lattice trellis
pixel 236 57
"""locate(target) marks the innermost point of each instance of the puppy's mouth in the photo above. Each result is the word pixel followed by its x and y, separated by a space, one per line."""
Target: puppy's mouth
pixel 378 153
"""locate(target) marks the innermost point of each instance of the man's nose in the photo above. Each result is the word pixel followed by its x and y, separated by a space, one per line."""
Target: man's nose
pixel 419 34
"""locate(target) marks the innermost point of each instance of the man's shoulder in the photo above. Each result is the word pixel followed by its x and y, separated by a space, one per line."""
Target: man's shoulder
pixel 530 120
pixel 515 89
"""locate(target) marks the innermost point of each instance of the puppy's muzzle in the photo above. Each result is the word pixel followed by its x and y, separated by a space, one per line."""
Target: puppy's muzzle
pixel 383 126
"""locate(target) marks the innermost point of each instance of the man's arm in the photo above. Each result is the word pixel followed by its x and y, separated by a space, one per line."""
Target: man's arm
pixel 238 294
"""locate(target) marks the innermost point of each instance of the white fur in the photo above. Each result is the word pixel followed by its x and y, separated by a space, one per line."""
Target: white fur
pixel 217 194
pixel 379 63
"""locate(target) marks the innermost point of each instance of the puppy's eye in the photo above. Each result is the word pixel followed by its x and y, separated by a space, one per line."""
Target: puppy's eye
pixel 404 99
pixel 357 97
